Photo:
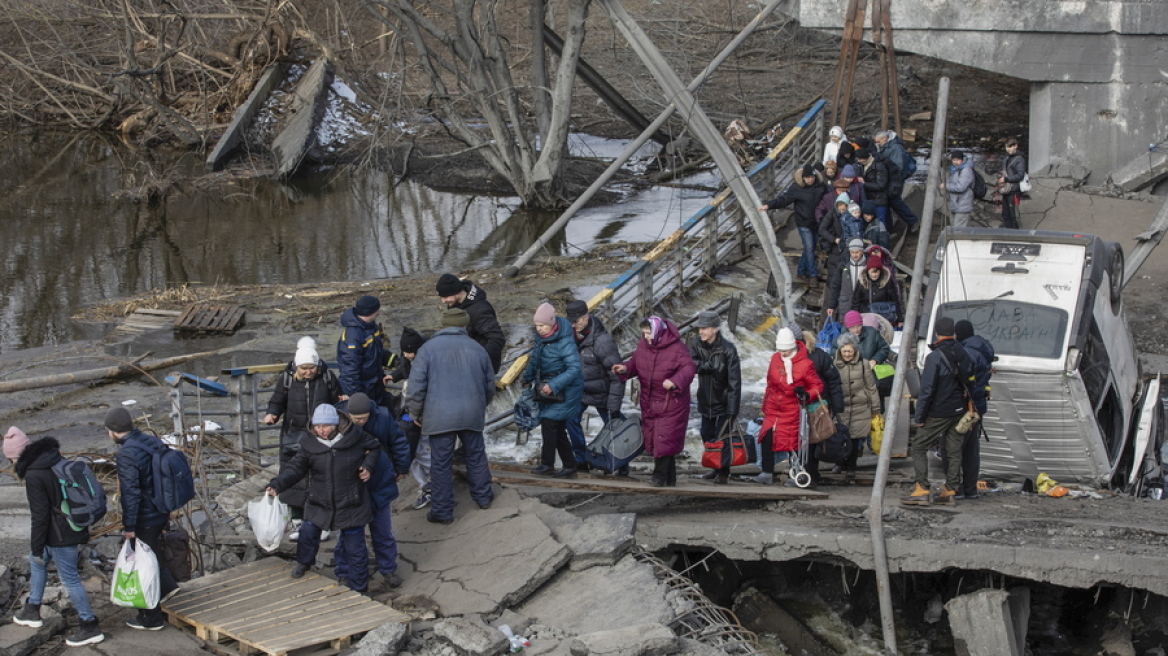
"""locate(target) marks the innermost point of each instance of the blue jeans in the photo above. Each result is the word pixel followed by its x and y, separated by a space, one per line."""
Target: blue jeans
pixel 350 554
pixel 903 210
pixel 384 544
pixel 576 429
pixel 882 214
pixel 66 558
pixel 478 474
pixel 807 260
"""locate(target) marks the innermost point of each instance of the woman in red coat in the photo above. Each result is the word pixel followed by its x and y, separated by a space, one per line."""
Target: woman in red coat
pixel 791 372
pixel 661 361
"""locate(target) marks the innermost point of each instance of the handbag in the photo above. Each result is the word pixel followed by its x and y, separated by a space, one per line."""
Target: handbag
pixel 820 424
pixel 717 456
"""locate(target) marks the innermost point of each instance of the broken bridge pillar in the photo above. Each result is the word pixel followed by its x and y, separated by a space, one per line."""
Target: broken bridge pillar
pixel 983 624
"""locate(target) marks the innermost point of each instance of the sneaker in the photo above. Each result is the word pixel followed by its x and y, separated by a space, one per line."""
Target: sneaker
pixel 141 625
pixel 918 497
pixel 29 615
pixel 393 580
pixel 423 500
pixel 89 633
pixel 434 520
pixel 299 570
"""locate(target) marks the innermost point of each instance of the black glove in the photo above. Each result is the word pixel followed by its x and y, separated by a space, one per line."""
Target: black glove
pixel 801 394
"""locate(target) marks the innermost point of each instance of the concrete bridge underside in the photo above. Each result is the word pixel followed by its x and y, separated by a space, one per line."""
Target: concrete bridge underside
pixel 1098 69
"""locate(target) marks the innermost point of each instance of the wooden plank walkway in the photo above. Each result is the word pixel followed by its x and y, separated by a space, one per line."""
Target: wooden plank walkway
pixel 206 318
pixel 263 609
pixel 515 474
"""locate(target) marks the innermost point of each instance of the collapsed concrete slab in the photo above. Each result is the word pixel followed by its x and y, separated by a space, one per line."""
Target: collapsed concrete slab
pixel 487 560
pixel 600 540
pixel 637 640
pixel 601 599
pixel 982 624
pixel 1145 170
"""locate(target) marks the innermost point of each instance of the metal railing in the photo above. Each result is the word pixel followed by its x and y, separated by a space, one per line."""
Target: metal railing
pixel 709 237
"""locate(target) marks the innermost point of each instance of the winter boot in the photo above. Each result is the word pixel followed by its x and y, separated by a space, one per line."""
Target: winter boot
pixel 89 633
pixel 919 496
pixel 947 497
pixel 29 615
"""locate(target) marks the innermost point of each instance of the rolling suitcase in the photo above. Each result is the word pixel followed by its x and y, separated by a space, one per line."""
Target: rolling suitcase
pixel 615 445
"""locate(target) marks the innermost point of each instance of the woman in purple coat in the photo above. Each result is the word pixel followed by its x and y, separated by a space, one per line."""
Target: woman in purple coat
pixel 661 360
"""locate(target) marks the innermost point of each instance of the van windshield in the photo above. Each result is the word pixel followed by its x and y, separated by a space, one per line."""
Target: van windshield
pixel 1022 329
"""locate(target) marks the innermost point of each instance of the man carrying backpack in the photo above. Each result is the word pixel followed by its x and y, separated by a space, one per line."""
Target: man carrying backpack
pixel 54 538
pixel 142 518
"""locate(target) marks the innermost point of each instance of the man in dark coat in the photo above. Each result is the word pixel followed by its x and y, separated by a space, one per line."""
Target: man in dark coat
pixel 890 148
pixel 484 326
pixel 141 518
pixel 878 181
pixel 844 280
pixel 981 355
pixel 719 385
pixel 804 193
pixel 1011 176
pixel 54 538
pixel 603 390
pixel 338 457
pixel 393 463
pixel 941 402
pixel 451 383
pixel 361 353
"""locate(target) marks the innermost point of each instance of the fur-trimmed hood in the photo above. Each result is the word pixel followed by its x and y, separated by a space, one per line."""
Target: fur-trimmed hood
pixel 41 454
pixel 885 276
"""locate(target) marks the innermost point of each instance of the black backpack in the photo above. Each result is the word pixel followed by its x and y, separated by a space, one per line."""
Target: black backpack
pixel 979 185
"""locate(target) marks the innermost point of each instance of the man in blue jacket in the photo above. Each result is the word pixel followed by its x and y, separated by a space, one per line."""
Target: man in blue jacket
pixel 361 353
pixel 141 518
pixel 947 385
pixel 393 463
pixel 451 383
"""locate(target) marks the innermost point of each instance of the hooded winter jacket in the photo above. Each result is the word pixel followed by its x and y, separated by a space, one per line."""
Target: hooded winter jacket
pixel 780 406
pixel 451 383
pixel 861 400
pixel 664 413
pixel 719 376
pixel 135 464
pixel 361 356
pixel 805 199
pixel 960 187
pixel 337 497
pixel 294 400
pixel 484 326
pixel 50 527
pixel 556 361
pixel 871 294
pixel 943 388
pixel 598 353
pixel 872 345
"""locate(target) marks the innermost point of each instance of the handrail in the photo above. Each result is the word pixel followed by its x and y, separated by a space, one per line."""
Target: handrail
pixel 696 248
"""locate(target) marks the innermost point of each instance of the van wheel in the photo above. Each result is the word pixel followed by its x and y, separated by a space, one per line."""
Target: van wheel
pixel 1115 273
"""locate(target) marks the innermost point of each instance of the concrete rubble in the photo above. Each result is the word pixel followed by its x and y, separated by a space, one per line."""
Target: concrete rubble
pixel 982 624
pixel 471 636
pixel 636 640
pixel 385 639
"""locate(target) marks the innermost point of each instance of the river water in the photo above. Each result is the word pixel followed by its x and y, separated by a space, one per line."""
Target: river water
pixel 74 234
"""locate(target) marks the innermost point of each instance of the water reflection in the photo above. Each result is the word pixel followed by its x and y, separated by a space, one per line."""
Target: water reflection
pixel 74 234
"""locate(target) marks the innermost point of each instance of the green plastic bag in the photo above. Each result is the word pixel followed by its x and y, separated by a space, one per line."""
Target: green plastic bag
pixel 136 581
pixel 883 371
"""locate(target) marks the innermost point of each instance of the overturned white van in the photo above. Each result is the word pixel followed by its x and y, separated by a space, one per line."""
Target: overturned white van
pixel 1067 387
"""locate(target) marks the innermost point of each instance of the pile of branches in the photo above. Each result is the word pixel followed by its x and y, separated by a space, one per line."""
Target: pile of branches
pixel 156 70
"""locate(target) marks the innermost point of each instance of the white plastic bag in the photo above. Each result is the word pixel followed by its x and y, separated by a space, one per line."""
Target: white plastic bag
pixel 268 517
pixel 136 583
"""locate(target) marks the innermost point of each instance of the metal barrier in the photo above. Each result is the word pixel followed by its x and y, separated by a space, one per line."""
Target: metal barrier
pixel 235 405
pixel 706 239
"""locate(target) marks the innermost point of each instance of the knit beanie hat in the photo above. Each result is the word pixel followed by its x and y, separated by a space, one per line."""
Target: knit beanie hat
pixel 854 209
pixel 843 198
pixel 411 340
pixel 963 329
pixel 325 415
pixel 875 261
pixel 305 356
pixel 545 314
pixel 455 318
pixel 853 318
pixel 863 154
pixel 808 171
pixel 785 340
pixel 848 172
pixel 856 244
pixel 14 442
pixel 868 207
pixel 359 404
pixel 448 285
pixel 366 305
pixel 118 420
pixel 944 327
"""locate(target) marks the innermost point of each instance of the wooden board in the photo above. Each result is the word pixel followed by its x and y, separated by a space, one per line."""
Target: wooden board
pixel 206 318
pixel 263 609
pixel 147 319
pixel 514 474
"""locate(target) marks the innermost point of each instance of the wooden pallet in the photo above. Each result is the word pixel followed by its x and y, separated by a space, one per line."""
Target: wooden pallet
pixel 147 319
pixel 264 610
pixel 202 318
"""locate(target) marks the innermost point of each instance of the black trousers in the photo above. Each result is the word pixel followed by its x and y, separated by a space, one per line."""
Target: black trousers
pixel 152 536
pixel 555 440
pixel 665 470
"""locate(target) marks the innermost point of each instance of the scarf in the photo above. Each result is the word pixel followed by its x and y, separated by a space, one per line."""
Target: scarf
pixel 787 362
pixel 656 328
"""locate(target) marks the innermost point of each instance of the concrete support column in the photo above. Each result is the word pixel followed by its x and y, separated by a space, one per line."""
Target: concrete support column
pixel 983 625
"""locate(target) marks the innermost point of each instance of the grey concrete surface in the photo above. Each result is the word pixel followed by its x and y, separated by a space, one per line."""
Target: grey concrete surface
pixel 982 625
pixel 471 636
pixel 600 599
pixel 637 640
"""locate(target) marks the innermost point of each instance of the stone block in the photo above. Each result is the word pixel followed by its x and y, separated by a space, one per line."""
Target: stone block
pixel 601 540
pixel 600 599
pixel 982 625
pixel 385 639
pixel 637 640
pixel 471 636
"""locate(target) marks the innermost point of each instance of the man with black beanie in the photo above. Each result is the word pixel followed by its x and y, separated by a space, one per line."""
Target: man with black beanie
pixel 981 356
pixel 804 194
pixel 484 326
pixel 947 386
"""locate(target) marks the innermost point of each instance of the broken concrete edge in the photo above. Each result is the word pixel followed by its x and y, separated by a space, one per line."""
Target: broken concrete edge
pixel 308 105
pixel 245 114
pixel 637 640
